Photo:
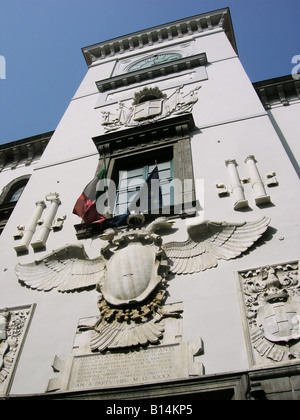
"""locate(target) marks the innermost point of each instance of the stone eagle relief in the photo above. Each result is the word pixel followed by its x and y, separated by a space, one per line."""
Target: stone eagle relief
pixel 131 274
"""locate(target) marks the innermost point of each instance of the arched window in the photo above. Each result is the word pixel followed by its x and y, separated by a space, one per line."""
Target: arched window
pixel 9 198
pixel 15 193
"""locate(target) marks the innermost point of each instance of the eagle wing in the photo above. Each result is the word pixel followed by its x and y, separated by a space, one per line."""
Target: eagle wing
pixel 210 241
pixel 123 334
pixel 67 269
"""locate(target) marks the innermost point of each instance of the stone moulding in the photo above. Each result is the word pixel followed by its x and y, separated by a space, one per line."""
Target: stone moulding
pixel 152 73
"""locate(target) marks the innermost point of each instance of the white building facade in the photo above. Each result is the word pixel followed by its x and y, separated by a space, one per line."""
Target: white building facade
pixel 157 307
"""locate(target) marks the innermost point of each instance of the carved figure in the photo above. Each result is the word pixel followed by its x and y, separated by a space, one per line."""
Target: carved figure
pixel 131 273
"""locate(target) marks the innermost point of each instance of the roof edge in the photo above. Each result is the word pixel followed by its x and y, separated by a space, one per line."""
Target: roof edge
pixel 178 29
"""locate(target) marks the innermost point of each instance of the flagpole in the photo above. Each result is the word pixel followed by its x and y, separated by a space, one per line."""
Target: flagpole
pixel 105 179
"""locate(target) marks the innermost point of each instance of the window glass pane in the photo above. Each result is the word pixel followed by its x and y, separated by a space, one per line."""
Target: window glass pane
pixel 160 166
pixel 122 197
pixel 165 188
pixel 131 195
pixel 16 195
pixel 166 199
pixel 135 173
pixel 135 183
pixel 121 208
pixel 165 174
pixel 132 181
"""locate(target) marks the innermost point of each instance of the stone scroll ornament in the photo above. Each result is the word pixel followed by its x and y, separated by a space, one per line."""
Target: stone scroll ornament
pixel 131 274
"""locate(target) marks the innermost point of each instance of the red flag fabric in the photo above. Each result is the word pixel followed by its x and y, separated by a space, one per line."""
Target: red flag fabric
pixel 86 209
pixel 85 206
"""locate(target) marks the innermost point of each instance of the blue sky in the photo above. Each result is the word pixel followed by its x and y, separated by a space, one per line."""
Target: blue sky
pixel 41 41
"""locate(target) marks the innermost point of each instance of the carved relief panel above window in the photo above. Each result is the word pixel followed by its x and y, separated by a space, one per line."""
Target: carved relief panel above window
pixel 149 105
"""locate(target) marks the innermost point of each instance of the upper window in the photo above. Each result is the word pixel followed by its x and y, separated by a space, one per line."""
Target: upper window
pixel 132 181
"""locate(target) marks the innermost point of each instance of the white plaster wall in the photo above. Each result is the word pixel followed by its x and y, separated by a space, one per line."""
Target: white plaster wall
pixel 287 125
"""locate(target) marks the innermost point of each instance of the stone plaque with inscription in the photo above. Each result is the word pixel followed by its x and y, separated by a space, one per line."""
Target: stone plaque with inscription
pixel 127 368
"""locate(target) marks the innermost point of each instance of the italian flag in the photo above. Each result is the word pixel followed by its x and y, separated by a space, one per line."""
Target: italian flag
pixel 85 206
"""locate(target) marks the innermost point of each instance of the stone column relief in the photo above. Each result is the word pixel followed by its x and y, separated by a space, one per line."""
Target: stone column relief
pixel 32 225
pixel 257 185
pixel 237 189
pixel 43 233
pixel 14 323
pixel 40 234
pixel 236 185
pixel 270 299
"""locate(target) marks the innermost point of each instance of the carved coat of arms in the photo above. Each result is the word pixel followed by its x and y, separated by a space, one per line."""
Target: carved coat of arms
pixel 179 102
pixel 272 298
pixel 131 274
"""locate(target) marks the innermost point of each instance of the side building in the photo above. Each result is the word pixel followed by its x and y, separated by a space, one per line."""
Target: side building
pixel 150 244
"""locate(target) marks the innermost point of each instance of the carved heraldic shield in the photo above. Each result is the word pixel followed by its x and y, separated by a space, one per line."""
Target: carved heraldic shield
pixel 279 321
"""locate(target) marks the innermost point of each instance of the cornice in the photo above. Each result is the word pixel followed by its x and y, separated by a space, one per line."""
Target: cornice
pixel 25 150
pixel 145 136
pixel 279 91
pixel 195 25
pixel 151 73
